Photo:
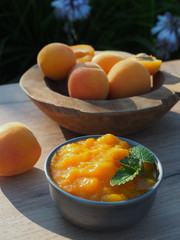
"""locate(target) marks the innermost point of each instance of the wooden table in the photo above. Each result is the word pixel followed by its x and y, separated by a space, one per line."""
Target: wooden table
pixel 26 209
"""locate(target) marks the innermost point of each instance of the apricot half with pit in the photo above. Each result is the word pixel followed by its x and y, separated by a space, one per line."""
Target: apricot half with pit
pixel 83 52
pixel 151 63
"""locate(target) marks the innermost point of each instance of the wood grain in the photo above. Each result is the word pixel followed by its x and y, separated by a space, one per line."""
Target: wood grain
pixel 120 116
pixel 26 209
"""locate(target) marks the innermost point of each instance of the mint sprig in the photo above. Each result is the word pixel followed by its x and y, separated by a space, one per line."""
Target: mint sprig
pixel 132 165
pixel 123 175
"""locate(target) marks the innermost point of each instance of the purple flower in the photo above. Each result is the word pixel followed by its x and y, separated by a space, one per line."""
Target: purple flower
pixel 71 9
pixel 168 33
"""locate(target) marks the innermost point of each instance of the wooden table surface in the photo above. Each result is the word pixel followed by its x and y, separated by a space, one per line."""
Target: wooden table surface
pixel 26 209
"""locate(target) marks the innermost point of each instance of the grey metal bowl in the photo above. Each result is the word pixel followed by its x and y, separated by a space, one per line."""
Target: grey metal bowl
pixel 96 215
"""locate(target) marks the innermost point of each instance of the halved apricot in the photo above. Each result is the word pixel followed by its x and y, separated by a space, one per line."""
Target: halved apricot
pixel 83 52
pixel 150 62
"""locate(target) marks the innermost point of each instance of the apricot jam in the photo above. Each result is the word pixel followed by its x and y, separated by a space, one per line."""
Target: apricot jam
pixel 84 169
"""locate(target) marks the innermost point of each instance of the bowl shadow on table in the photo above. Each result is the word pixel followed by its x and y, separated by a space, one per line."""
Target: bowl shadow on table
pixel 37 206
pixel 169 123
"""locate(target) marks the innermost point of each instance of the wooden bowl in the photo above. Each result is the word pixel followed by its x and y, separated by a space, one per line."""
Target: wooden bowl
pixel 121 116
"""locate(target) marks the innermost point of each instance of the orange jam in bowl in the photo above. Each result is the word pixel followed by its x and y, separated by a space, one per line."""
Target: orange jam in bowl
pixel 85 168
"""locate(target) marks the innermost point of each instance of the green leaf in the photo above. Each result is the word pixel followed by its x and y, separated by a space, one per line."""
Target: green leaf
pixel 143 154
pixel 133 165
pixel 123 175
pixel 131 162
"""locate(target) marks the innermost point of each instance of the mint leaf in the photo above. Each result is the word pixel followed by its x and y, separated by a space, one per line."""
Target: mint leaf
pixel 131 162
pixel 133 165
pixel 141 153
pixel 123 175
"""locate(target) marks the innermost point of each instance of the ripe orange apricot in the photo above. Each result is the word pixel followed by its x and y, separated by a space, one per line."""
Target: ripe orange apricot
pixel 106 60
pixel 19 149
pixel 128 78
pixel 149 62
pixel 83 52
pixel 88 81
pixel 56 60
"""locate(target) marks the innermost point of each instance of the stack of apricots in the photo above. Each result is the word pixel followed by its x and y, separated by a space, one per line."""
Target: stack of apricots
pixel 101 76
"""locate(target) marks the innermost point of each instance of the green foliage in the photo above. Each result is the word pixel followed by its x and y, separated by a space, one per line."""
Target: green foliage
pixel 133 165
pixel 123 175
pixel 26 26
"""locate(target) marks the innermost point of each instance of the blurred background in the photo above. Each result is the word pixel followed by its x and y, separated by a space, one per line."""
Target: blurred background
pixel 148 26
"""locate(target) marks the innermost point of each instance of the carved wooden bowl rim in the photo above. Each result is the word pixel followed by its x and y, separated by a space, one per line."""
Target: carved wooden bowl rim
pixel 36 86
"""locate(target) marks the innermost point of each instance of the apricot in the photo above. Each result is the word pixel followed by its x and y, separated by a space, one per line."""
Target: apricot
pixel 106 60
pixel 151 63
pixel 56 60
pixel 88 81
pixel 128 78
pixel 19 149
pixel 83 52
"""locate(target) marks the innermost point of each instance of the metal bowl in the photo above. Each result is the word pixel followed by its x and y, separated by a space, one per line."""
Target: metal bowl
pixel 96 215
